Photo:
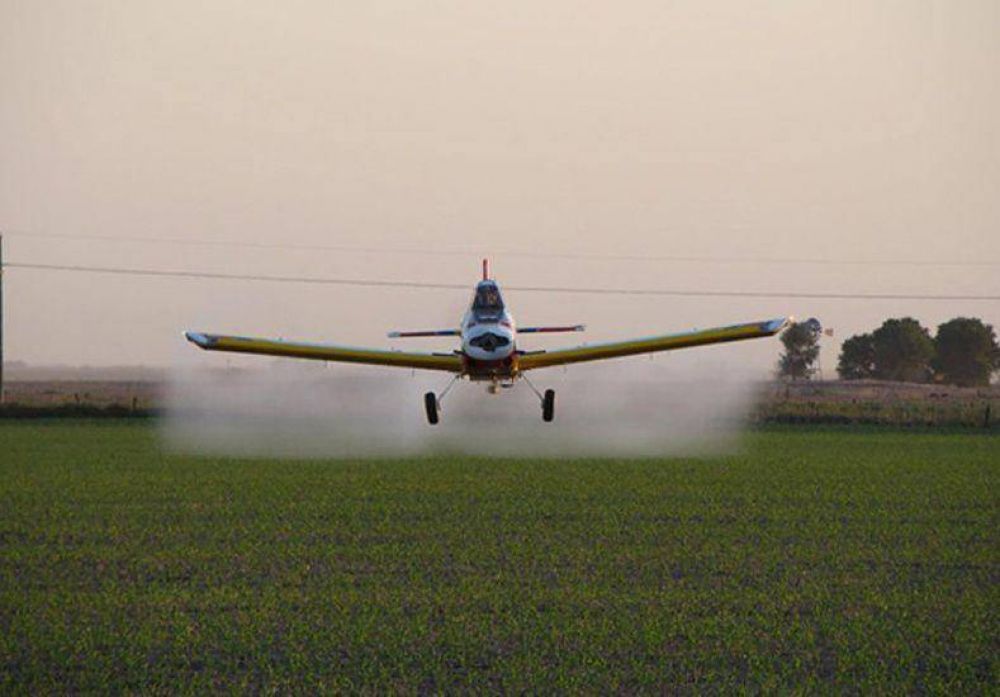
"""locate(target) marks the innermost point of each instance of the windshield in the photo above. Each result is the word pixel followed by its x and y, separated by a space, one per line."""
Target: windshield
pixel 487 301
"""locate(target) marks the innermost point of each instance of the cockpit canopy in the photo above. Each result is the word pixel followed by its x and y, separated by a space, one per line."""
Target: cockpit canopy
pixel 487 303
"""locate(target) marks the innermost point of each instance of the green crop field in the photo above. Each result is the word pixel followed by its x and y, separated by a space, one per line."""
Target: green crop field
pixel 816 559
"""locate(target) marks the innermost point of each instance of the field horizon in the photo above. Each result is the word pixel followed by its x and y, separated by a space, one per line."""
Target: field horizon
pixel 854 402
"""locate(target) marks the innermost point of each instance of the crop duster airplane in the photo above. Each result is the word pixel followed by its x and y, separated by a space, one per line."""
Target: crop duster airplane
pixel 489 350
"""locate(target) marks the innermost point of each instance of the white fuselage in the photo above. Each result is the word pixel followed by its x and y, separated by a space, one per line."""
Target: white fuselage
pixel 488 329
pixel 488 339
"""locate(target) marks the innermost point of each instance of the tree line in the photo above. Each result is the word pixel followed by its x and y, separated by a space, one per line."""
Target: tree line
pixel 964 351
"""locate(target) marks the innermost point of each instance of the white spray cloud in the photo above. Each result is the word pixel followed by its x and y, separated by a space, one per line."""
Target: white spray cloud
pixel 626 408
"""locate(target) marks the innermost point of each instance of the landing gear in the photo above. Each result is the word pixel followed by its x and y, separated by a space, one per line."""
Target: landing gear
pixel 432 402
pixel 549 405
pixel 431 407
pixel 548 400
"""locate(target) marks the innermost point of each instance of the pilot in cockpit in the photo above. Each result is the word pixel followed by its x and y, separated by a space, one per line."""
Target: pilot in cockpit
pixel 487 300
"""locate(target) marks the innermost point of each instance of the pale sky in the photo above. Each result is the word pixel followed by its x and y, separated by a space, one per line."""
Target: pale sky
pixel 730 131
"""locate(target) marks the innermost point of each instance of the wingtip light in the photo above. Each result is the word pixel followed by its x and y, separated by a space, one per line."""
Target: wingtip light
pixel 776 325
pixel 198 339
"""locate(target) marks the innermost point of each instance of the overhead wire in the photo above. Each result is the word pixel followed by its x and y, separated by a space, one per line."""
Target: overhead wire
pixel 169 273
pixel 453 252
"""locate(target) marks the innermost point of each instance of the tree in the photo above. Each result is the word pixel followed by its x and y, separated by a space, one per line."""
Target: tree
pixel 967 352
pixel 801 341
pixel 903 351
pixel 857 358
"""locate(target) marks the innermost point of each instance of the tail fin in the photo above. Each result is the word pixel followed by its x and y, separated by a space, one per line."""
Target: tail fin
pixel 486 269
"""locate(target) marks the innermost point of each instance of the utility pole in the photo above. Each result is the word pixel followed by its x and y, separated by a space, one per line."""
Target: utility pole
pixel 1 319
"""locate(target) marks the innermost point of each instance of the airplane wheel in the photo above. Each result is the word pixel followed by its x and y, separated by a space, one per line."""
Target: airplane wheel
pixel 549 405
pixel 431 407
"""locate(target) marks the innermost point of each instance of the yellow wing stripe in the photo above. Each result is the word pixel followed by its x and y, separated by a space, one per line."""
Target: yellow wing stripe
pixel 736 332
pixel 320 352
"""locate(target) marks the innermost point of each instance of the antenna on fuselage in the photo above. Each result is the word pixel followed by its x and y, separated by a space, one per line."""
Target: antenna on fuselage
pixel 486 269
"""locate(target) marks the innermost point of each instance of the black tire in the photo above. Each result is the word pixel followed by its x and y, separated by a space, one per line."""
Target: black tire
pixel 549 405
pixel 431 407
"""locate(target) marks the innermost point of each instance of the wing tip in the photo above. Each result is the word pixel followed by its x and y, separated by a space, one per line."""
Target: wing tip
pixel 776 325
pixel 198 339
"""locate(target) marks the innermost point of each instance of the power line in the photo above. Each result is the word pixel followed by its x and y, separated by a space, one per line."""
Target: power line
pixel 194 242
pixel 452 252
pixel 524 289
pixel 237 277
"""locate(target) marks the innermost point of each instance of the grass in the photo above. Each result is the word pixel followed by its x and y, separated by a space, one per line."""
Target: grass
pixel 817 559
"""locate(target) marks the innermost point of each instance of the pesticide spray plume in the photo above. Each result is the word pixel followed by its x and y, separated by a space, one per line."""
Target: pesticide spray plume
pixel 290 409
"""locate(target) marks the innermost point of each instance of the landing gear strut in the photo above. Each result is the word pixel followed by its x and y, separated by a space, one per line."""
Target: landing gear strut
pixel 548 400
pixel 432 402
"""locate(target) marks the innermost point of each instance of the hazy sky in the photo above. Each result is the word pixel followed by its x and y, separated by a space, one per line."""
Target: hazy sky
pixel 864 131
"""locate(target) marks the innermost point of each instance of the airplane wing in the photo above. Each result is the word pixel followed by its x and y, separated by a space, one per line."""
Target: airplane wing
pixel 668 342
pixel 346 354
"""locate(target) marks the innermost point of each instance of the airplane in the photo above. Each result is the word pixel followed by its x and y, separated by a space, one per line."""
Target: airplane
pixel 489 350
